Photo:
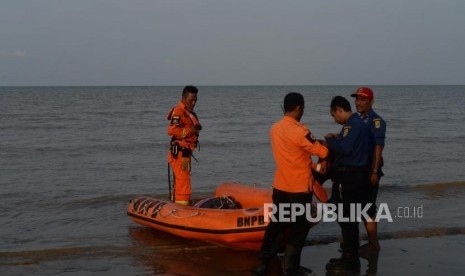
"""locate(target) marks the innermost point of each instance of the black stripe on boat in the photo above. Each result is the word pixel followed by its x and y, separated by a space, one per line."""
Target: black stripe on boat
pixel 200 230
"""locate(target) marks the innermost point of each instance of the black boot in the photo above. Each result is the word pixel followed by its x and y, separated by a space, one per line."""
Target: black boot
pixel 261 269
pixel 291 262
pixel 263 266
pixel 349 264
pixel 265 258
pixel 266 255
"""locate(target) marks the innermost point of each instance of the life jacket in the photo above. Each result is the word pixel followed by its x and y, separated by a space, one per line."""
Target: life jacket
pixel 180 128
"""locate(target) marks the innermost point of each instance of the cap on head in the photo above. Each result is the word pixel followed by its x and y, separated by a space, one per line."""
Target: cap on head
pixel 363 92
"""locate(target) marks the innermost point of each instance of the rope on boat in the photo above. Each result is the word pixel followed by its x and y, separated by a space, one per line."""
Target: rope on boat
pixel 251 211
pixel 227 199
pixel 173 213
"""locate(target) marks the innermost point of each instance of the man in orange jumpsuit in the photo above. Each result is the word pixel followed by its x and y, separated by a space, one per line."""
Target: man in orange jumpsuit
pixel 184 130
pixel 292 144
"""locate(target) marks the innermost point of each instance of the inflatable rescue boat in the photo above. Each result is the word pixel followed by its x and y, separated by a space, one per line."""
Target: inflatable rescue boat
pixel 233 217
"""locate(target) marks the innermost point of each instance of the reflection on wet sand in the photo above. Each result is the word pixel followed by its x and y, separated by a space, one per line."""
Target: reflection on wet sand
pixel 158 253
pixel 372 266
pixel 170 255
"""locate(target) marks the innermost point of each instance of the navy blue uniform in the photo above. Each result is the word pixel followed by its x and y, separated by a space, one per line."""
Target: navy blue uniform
pixel 377 127
pixel 352 150
pixel 353 147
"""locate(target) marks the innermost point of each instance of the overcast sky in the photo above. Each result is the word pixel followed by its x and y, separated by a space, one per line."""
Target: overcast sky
pixel 235 42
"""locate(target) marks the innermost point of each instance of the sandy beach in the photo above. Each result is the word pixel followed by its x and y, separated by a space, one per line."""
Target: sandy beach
pixel 437 255
pixel 442 255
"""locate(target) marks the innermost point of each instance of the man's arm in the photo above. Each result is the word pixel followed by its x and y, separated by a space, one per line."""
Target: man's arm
pixel 344 143
pixel 177 127
pixel 376 166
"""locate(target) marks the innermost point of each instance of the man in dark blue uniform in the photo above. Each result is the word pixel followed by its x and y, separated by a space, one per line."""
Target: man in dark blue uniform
pixel 351 149
pixel 364 100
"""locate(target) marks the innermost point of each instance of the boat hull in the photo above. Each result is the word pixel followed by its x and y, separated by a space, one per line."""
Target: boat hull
pixel 238 228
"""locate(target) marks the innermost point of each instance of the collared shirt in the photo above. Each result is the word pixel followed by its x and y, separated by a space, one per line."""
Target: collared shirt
pixel 377 126
pixel 180 127
pixel 353 146
pixel 293 144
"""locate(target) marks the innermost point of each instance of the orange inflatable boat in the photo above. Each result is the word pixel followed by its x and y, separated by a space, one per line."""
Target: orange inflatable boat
pixel 242 227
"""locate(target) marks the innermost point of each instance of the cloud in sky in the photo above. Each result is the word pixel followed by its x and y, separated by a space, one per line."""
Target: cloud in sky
pixel 13 54
pixel 215 42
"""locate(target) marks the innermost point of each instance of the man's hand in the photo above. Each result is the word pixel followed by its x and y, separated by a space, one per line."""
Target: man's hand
pixel 331 135
pixel 374 179
pixel 323 142
pixel 324 167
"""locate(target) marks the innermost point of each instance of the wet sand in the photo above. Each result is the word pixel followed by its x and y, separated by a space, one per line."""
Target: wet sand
pixel 441 255
pixel 436 255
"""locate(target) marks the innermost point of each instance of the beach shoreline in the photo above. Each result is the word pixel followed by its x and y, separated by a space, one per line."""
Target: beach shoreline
pixel 436 255
pixel 401 256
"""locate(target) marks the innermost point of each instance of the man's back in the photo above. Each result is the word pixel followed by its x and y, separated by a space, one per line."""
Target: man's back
pixel 292 145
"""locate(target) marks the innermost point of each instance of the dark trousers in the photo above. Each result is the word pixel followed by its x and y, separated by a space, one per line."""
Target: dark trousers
pixel 298 230
pixel 372 194
pixel 349 187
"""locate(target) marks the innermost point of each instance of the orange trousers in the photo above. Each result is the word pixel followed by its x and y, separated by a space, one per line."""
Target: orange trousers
pixel 181 167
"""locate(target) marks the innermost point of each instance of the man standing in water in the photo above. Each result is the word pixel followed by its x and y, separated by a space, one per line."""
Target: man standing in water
pixel 364 100
pixel 184 130
pixel 292 144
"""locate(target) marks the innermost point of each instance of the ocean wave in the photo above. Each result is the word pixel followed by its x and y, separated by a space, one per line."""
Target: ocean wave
pixel 28 257
pixel 103 146
pixel 147 243
pixel 84 203
pixel 113 113
pixel 437 186
pixel 40 255
pixel 420 233
pixel 440 186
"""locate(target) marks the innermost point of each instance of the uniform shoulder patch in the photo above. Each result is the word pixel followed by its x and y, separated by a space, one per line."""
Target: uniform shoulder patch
pixel 175 120
pixel 311 138
pixel 346 131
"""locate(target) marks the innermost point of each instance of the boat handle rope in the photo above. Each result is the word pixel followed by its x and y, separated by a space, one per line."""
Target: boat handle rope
pixel 251 212
pixel 173 211
pixel 226 199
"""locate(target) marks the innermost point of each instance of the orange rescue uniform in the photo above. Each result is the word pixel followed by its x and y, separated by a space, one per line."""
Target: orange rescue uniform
pixel 184 129
pixel 293 144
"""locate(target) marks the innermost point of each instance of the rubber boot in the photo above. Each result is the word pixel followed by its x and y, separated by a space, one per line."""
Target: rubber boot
pixel 261 269
pixel 266 255
pixel 372 267
pixel 263 266
pixel 291 262
pixel 349 264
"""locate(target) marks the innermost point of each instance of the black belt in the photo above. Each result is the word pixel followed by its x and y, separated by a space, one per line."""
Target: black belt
pixel 349 169
pixel 175 148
